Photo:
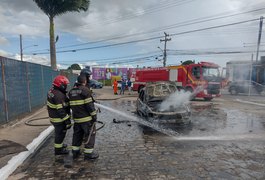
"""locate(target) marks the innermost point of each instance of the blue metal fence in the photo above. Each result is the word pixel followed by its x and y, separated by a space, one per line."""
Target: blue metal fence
pixel 23 87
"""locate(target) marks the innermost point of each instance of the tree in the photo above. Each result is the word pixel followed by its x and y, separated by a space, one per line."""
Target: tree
pixel 188 62
pixel 75 67
pixel 53 8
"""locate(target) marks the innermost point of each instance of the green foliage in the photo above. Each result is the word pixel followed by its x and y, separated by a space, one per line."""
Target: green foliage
pixel 75 67
pixel 188 62
pixel 54 8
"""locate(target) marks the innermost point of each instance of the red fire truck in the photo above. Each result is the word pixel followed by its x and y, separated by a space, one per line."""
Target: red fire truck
pixel 202 78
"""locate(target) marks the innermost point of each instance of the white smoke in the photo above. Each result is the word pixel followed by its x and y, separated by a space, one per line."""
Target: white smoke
pixel 175 100
pixel 178 99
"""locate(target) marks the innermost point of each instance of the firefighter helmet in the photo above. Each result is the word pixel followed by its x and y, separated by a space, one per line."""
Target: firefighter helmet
pixel 85 72
pixel 61 82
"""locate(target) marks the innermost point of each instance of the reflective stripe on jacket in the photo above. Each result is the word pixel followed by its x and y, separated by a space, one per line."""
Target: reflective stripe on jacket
pixel 82 104
pixel 57 105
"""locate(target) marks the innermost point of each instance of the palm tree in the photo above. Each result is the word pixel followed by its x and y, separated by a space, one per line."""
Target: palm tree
pixel 53 8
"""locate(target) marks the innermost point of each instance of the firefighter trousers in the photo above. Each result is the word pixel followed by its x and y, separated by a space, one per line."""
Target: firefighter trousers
pixel 81 132
pixel 60 132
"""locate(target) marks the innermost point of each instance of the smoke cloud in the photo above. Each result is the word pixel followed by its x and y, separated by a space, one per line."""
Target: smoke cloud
pixel 178 99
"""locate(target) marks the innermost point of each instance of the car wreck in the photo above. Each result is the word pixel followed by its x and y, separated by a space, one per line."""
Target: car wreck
pixel 155 94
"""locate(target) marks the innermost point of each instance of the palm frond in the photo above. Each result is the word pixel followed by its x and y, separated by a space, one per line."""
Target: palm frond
pixel 54 8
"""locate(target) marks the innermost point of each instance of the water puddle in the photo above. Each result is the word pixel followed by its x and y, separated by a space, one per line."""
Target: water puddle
pixel 210 124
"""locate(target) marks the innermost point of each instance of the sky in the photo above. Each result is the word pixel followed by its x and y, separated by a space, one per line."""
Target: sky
pixel 125 33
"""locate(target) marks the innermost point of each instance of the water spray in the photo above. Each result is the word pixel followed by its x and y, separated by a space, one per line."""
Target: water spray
pixel 139 120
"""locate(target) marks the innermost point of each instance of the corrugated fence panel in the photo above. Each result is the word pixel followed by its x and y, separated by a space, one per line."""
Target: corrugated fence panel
pixel 26 87
pixel 36 85
pixel 2 109
pixel 16 87
pixel 48 76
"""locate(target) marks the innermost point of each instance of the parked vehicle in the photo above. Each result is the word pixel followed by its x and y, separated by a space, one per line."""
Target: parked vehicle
pixel 245 86
pixel 202 78
pixel 151 97
pixel 95 84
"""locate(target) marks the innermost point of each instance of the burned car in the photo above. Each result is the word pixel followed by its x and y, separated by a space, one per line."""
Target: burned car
pixel 163 101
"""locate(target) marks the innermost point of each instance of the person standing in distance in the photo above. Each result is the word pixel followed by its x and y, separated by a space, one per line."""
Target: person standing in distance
pixel 59 112
pixel 85 117
pixel 115 87
pixel 129 84
pixel 123 86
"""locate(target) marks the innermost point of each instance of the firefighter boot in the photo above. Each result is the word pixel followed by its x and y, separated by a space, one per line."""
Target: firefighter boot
pixel 76 153
pixel 60 151
pixel 89 156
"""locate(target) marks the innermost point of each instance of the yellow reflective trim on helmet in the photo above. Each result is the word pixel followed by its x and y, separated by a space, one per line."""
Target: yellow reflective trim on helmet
pixel 84 119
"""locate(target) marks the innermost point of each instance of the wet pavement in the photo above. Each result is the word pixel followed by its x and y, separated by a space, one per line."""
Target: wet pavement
pixel 220 143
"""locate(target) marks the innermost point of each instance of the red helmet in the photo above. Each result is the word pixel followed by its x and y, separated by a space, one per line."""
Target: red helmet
pixel 61 82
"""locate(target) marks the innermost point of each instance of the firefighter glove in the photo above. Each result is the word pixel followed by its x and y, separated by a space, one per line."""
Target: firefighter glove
pixel 68 123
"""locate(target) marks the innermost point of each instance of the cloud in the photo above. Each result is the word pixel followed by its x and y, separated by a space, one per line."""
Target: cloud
pixel 22 17
pixel 3 41
pixel 43 60
pixel 114 18
pixel 4 53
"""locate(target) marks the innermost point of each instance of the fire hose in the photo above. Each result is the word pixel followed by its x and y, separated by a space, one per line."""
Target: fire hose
pixel 29 122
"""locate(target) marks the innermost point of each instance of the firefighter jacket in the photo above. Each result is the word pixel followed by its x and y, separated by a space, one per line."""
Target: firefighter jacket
pixel 58 106
pixel 82 104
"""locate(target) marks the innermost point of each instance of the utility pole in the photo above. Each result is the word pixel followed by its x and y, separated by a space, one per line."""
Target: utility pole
pixel 165 48
pixel 250 74
pixel 21 50
pixel 259 37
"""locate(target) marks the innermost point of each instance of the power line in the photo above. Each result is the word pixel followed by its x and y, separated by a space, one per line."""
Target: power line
pixel 154 9
pixel 177 25
pixel 211 52
pixel 153 38
pixel 130 60
pixel 122 57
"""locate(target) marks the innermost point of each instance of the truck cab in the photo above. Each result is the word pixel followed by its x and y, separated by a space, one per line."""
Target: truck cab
pixel 205 76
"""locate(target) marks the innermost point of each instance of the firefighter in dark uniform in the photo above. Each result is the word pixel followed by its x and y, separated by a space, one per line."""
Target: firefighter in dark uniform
pixel 59 112
pixel 85 116
pixel 87 73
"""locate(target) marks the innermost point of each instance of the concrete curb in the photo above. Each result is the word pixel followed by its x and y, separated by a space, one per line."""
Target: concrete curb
pixel 17 160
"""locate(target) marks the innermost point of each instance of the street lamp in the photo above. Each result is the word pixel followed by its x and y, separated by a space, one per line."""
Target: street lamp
pixel 160 55
pixel 160 49
pixel 22 49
